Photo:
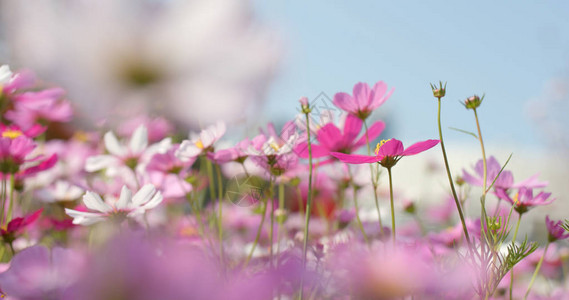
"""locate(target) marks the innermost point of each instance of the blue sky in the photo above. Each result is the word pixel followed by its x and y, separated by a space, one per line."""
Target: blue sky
pixel 508 51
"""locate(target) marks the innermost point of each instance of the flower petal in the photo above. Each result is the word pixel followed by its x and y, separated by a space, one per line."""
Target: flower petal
pixel 362 95
pixel 355 158
pixel 139 140
pixel 112 145
pixel 143 195
pixel 345 102
pixel 94 202
pixel 373 132
pixel 99 162
pixel 124 199
pixel 420 147
pixel 392 147
pixel 84 218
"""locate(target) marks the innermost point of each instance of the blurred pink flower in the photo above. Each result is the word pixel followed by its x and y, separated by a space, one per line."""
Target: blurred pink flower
pixel 524 199
pixel 201 142
pixel 555 231
pixel 364 100
pixel 18 224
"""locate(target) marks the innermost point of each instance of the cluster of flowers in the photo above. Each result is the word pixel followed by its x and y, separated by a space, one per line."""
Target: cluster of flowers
pixel 141 214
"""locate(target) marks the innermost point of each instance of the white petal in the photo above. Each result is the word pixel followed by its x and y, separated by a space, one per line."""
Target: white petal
pixel 124 199
pixel 94 202
pixel 143 195
pixel 84 218
pixel 139 140
pixel 187 150
pixel 113 146
pixel 157 199
pixel 5 74
pixel 99 162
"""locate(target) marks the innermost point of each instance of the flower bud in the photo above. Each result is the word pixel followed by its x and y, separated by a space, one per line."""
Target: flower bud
pixel 473 102
pixel 439 91
pixel 304 105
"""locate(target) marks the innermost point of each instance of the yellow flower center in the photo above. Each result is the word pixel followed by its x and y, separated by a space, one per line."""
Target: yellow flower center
pixel 379 145
pixel 11 134
pixel 199 144
pixel 275 146
pixel 81 136
pixel 517 199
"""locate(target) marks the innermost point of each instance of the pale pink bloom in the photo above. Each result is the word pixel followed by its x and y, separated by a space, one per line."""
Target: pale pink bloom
pixel 60 191
pixel 126 206
pixel 555 231
pixel 168 173
pixel 364 100
pixel 46 105
pixel 201 142
pixel 524 199
pixel 158 128
pixel 126 158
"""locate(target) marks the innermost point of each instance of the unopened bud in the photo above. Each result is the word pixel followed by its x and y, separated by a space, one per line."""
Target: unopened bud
pixel 473 102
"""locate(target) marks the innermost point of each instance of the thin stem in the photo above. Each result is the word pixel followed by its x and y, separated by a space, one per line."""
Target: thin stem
pixel 512 270
pixel 3 207
pixel 536 270
pixel 280 220
pixel 308 202
pixel 456 200
pixel 263 213
pixel 373 182
pixel 11 206
pixel 392 207
pixel 271 230
pixel 220 199
pixel 483 152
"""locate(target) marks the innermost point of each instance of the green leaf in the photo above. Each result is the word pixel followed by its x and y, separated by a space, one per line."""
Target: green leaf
pixel 464 131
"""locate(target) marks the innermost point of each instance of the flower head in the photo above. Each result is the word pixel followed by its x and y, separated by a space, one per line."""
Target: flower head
pixel 554 230
pixel 126 206
pixel 439 91
pixel 473 102
pixel 201 142
pixel 364 99
pixel 387 152
pixel 18 224
pixel 524 199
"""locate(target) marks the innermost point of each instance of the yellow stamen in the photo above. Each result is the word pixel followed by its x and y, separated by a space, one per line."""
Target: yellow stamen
pixel 81 136
pixel 199 144
pixel 517 199
pixel 379 145
pixel 12 134
pixel 275 146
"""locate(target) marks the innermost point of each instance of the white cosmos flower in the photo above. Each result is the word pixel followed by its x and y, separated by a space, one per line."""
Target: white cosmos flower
pixel 192 61
pixel 61 191
pixel 5 74
pixel 126 157
pixel 126 206
pixel 200 142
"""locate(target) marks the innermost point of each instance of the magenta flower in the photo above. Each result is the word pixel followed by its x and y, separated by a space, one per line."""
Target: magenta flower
pixel 504 181
pixel 524 199
pixel 333 139
pixel 16 149
pixel 387 153
pixel 554 230
pixel 46 105
pixel 18 224
pixel 364 100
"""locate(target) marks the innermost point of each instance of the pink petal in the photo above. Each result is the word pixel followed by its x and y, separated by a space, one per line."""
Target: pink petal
pixel 345 102
pixel 420 147
pixel 373 132
pixel 329 136
pixel 352 127
pixel 317 150
pixel 355 158
pixel 362 95
pixel 392 147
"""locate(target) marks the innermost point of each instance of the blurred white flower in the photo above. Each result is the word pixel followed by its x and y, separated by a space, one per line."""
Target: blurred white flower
pixel 194 61
pixel 5 74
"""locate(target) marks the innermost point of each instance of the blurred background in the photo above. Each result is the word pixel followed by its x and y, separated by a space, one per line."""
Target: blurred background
pixel 248 62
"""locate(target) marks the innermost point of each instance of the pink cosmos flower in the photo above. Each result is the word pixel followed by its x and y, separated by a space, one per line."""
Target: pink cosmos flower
pixel 504 181
pixel 168 173
pixel 16 150
pixel 274 152
pixel 333 139
pixel 555 231
pixel 201 142
pixel 387 153
pixel 364 100
pixel 126 206
pixel 18 224
pixel 46 105
pixel 524 199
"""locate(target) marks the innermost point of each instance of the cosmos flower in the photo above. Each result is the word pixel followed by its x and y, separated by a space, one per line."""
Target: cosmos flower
pixel 201 142
pixel 524 199
pixel 126 206
pixel 554 230
pixel 333 139
pixel 126 159
pixel 387 153
pixel 363 101
pixel 18 224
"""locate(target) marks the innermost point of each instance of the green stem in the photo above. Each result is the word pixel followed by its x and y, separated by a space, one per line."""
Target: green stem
pixel 271 230
pixel 536 270
pixel 263 213
pixel 392 206
pixel 373 182
pixel 11 206
pixel 220 227
pixel 3 207
pixel 456 200
pixel 512 270
pixel 308 203
pixel 281 218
